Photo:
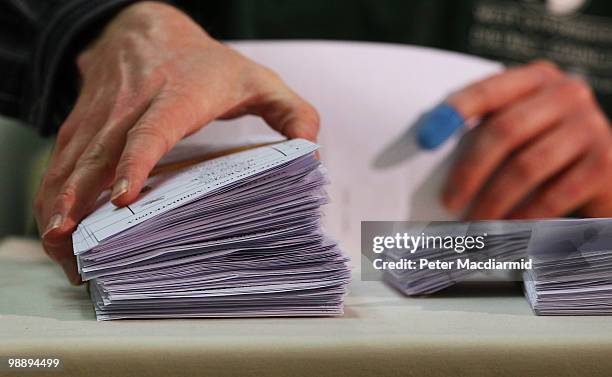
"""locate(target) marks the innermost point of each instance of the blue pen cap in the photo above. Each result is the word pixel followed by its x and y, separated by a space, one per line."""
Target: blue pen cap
pixel 438 125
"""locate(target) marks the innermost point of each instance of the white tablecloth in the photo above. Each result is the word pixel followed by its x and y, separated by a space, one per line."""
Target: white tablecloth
pixel 469 330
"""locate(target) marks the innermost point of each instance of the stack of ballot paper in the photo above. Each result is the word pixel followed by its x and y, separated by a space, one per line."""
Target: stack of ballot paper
pixel 237 236
pixel 567 269
pixel 502 242
pixel 572 268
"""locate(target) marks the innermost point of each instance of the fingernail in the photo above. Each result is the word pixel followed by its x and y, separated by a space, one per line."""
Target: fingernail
pixel 119 188
pixel 55 222
pixel 438 125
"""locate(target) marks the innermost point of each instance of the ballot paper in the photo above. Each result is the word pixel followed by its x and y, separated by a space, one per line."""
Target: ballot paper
pixel 572 268
pixel 236 236
pixel 569 270
pixel 504 241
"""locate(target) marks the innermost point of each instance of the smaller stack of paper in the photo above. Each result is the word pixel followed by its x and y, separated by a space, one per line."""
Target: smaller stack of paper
pixel 572 268
pixel 505 241
pixel 569 261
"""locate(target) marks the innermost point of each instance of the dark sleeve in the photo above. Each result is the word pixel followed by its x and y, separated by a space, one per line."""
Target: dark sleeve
pixel 39 41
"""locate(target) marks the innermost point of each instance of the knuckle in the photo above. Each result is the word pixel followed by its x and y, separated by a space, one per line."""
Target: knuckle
pixel 130 41
pixel 125 101
pixel 67 194
pixel 149 131
pixel 97 155
pixel 170 93
pixel 152 134
pixel 54 176
pixel 124 109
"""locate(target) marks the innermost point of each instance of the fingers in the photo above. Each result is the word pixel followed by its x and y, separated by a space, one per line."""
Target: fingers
pixel 492 142
pixel 572 189
pixel 78 171
pixel 283 109
pixel 530 167
pixel 93 171
pixel 79 191
pixel 292 117
pixel 496 92
pixel 67 149
pixel 153 135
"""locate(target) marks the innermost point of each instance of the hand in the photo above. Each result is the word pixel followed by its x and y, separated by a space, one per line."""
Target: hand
pixel 543 149
pixel 150 79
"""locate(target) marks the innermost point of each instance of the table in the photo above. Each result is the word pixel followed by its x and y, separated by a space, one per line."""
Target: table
pixel 467 330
